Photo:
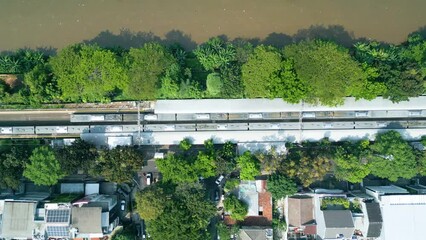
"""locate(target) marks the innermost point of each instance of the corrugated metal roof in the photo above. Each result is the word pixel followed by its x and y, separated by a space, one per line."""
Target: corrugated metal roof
pixel 278 105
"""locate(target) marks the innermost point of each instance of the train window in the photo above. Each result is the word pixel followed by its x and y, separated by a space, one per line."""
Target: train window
pixel 415 113
pixel 308 114
pixel 169 128
pixel 61 130
pixel 361 114
pixel 150 117
pixel 255 115
pixel 222 126
pixel 328 125
pixel 205 116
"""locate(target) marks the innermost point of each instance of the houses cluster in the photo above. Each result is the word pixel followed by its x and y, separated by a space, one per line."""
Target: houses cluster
pixel 376 213
pixel 78 215
pixel 258 221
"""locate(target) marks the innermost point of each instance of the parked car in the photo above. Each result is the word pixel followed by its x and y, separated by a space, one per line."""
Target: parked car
pixel 219 180
pixel 148 178
pixel 123 205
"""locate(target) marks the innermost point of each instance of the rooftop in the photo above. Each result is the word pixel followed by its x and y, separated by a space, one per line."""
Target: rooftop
pixel 383 190
pixel 300 210
pixel 18 220
pixel 338 219
pixel 403 216
pixel 87 220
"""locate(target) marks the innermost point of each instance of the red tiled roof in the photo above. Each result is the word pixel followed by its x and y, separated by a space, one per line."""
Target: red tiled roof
pixel 310 229
pixel 265 201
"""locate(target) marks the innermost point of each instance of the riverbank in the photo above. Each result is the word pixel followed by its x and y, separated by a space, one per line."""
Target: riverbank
pixel 54 24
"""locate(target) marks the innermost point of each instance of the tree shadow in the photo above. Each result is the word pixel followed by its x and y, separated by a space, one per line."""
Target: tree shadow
pixel 335 33
pixel 421 31
pixel 128 39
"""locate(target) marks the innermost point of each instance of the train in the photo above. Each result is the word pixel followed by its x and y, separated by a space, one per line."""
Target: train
pixel 193 127
pixel 211 117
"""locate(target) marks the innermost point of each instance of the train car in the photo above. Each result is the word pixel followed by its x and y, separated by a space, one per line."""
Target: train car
pixel 23 130
pixel 78 129
pixel 190 127
pixel 51 130
pixel 6 130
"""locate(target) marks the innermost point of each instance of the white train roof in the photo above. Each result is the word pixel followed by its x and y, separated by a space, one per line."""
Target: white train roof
pixel 278 105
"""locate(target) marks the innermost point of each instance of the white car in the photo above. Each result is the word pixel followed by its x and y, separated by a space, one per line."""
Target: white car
pixel 148 178
pixel 219 179
pixel 123 205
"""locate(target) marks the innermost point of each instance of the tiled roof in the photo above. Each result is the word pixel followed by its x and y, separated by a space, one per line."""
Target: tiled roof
pixel 300 210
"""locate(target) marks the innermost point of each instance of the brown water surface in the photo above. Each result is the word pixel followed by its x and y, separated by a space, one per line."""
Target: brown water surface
pixel 54 23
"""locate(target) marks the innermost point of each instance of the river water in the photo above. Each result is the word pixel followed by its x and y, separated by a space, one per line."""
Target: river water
pixel 55 24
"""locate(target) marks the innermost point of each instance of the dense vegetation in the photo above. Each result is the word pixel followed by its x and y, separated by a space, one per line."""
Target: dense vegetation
pixel 314 71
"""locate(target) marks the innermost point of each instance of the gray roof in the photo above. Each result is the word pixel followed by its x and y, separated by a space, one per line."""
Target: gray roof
pixel 278 105
pixel 374 218
pixel 338 222
pixel 254 233
pixel 87 220
pixel 18 220
pixel 338 218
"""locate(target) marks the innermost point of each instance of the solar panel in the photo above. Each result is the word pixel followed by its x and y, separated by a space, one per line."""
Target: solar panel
pixel 58 216
pixel 58 231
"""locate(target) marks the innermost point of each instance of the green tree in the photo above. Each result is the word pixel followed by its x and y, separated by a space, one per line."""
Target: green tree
pixel 185 144
pixel 88 73
pixel 177 168
pixel 327 70
pixel 351 162
pixel 186 215
pixel 237 208
pixel 215 53
pixel 118 164
pixel 281 186
pixel 249 166
pixel 147 66
pixel 80 155
pixel 12 163
pixel 392 157
pixel 309 164
pixel 150 203
pixel 214 84
pixel 270 161
pixel 43 168
pixel 231 184
pixel 226 158
pixel 40 84
pixel 260 70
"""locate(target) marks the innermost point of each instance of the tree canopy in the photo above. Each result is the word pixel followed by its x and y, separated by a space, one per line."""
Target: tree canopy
pixel 249 166
pixel 43 167
pixel 327 70
pixel 186 215
pixel 237 208
pixel 12 163
pixel 281 186
pixel 118 164
pixel 80 155
pixel 147 66
pixel 88 73
pixel 150 202
pixel 392 157
pixel 351 161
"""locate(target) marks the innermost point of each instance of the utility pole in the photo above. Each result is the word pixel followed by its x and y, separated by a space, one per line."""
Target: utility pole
pixel 301 123
pixel 139 123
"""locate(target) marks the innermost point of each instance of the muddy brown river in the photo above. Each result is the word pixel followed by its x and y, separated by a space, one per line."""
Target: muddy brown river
pixel 55 24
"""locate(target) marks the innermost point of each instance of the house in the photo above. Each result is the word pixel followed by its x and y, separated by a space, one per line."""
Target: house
pixel 259 203
pixel 87 222
pixel 374 220
pixel 57 220
pixel 255 233
pixel 403 217
pixel 17 219
pixel 335 224
pixel 300 216
pixel 258 223
pixel 109 210
pixel 377 191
